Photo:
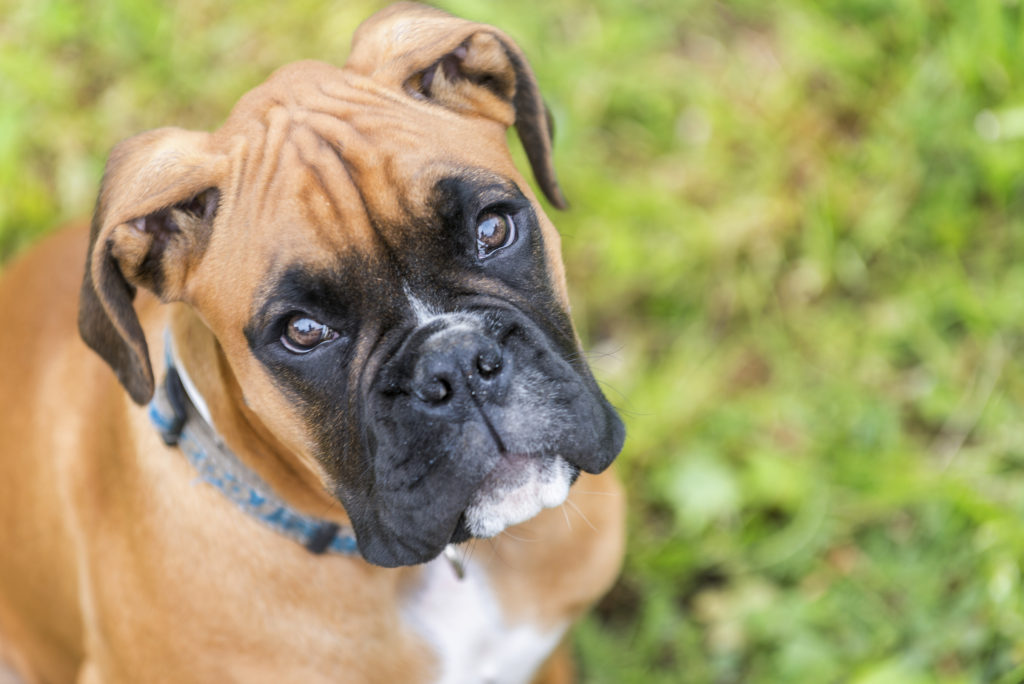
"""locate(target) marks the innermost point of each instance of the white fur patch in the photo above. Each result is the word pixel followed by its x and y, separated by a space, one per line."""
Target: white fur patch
pixel 462 621
pixel 520 487
pixel 426 314
pixel 421 310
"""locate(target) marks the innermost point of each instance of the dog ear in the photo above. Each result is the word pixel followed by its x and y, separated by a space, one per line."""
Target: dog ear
pixel 465 66
pixel 152 222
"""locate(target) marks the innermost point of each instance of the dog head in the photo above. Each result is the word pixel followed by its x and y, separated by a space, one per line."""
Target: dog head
pixel 386 290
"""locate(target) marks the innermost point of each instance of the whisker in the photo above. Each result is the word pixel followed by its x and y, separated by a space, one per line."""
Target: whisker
pixel 470 550
pixel 610 354
pixel 584 491
pixel 566 514
pixel 496 552
pixel 506 533
pixel 577 509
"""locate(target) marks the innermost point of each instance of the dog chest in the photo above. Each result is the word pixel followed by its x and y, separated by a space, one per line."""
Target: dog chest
pixel 463 623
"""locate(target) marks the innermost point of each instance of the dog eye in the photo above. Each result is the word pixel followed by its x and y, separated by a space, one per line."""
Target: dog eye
pixel 303 334
pixel 494 231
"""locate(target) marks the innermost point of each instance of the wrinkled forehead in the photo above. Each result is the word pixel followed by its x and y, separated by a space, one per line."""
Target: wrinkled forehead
pixel 334 141
pixel 327 166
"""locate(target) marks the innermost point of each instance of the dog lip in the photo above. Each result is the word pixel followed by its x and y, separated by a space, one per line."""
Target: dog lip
pixel 518 487
pixel 461 532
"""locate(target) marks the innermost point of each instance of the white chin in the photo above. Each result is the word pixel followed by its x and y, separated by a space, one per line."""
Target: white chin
pixel 518 488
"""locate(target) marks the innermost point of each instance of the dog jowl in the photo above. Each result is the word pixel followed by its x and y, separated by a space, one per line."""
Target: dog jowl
pixel 382 284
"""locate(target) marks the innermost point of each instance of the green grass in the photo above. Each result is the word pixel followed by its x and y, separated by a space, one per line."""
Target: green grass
pixel 795 250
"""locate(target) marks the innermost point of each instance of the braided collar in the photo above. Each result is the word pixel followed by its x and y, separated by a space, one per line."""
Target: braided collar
pixel 183 421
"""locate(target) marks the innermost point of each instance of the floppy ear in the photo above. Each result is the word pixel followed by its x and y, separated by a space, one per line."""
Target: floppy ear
pixel 465 66
pixel 152 222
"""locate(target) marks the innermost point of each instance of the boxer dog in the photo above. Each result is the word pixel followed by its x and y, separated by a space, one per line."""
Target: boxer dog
pixel 347 402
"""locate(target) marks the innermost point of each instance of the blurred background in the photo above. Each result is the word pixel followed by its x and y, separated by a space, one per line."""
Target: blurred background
pixel 794 252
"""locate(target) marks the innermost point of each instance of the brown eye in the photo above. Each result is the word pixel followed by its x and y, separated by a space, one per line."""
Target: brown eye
pixel 493 232
pixel 303 333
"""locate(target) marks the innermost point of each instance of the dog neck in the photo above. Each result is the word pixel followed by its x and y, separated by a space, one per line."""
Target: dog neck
pixel 183 420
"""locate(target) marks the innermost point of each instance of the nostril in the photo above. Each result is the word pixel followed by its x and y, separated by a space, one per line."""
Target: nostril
pixel 435 391
pixel 488 362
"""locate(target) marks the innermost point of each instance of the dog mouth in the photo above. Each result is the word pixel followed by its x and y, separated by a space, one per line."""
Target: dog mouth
pixel 517 488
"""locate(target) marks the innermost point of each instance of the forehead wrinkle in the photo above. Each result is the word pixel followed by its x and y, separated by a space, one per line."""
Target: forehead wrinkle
pixel 238 173
pixel 352 98
pixel 375 129
pixel 319 189
pixel 277 124
pixel 345 143
pixel 364 121
pixel 328 166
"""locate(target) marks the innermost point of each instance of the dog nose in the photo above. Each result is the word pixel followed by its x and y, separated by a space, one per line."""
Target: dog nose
pixel 455 361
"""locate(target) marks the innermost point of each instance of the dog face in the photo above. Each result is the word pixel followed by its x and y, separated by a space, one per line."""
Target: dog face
pixel 386 290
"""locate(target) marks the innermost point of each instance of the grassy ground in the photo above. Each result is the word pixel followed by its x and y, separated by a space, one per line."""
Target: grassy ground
pixel 795 250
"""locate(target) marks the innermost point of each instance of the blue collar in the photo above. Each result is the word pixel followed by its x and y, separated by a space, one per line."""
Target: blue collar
pixel 176 417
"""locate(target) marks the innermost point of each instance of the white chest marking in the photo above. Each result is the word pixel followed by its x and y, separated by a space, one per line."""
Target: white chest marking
pixel 462 621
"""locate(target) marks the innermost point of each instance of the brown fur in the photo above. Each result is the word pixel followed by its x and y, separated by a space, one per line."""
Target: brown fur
pixel 103 527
